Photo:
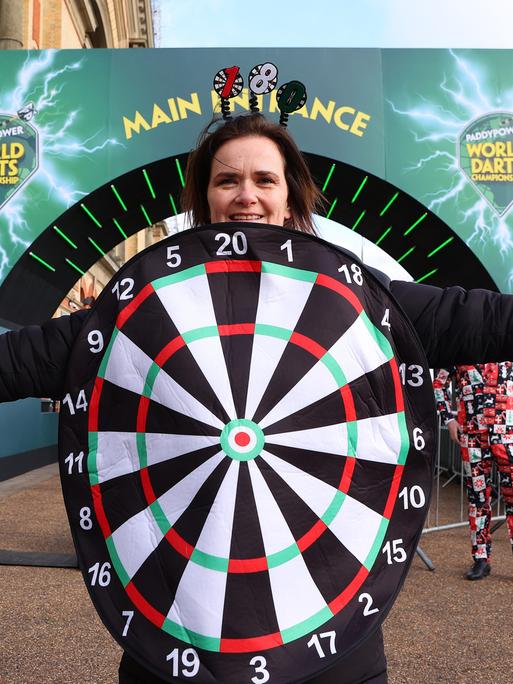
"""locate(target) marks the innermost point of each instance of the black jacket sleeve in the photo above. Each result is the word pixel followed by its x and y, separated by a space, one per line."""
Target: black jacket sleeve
pixel 456 326
pixel 34 360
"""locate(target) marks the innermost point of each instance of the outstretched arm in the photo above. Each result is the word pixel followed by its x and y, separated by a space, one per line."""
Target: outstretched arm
pixel 34 359
pixel 457 326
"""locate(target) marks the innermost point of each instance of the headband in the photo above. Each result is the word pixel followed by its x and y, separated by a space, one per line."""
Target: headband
pixel 262 80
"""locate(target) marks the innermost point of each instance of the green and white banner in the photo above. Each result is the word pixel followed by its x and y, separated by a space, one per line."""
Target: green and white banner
pixel 437 124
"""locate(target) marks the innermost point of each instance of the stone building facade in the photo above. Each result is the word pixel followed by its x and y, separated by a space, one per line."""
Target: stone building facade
pixel 42 24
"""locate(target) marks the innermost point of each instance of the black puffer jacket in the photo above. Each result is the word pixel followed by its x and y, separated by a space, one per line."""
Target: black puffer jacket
pixel 453 325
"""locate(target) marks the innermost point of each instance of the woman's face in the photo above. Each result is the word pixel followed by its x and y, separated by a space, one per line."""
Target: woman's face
pixel 247 182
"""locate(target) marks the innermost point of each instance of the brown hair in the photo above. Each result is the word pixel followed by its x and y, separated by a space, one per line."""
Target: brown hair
pixel 304 196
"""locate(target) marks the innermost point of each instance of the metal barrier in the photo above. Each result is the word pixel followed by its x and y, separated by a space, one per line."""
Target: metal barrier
pixel 449 509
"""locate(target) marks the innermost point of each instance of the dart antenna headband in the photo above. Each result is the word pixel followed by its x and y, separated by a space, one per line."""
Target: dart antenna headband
pixel 262 80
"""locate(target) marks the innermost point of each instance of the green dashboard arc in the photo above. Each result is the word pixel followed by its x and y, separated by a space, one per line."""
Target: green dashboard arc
pixel 367 204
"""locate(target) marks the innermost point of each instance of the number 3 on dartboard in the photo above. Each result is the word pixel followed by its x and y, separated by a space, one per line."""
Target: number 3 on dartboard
pixel 261 673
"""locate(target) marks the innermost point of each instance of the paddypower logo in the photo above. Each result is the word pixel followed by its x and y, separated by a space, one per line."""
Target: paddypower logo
pixel 486 158
pixel 19 152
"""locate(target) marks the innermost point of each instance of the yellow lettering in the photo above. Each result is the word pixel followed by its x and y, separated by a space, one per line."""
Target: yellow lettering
pixel 498 165
pixel 359 123
pixel 500 149
pixel 339 114
pixel 185 105
pixel 13 167
pixel 17 151
pixel 319 108
pixel 11 150
pixel 216 102
pixel 476 165
pixel 172 108
pixel 303 111
pixel 488 150
pixel 135 125
pixel 159 116
pixel 474 150
pixel 242 100
pixel 273 104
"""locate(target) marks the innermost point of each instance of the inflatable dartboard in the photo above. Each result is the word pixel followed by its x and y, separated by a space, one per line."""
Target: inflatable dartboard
pixel 246 454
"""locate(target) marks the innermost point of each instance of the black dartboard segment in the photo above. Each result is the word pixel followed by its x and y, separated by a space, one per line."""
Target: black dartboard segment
pixel 246 454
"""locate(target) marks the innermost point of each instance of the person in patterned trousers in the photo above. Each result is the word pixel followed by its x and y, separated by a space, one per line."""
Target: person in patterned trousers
pixel 484 430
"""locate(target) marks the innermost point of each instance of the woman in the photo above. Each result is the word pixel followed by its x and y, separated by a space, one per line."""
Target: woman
pixel 250 170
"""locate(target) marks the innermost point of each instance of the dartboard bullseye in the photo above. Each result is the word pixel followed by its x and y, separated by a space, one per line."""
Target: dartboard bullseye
pixel 242 440
pixel 254 420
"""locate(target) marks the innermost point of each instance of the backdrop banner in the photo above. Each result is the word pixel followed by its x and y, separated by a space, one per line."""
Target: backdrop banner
pixel 437 124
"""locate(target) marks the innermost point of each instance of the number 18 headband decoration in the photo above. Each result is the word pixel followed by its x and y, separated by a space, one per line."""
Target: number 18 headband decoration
pixel 263 78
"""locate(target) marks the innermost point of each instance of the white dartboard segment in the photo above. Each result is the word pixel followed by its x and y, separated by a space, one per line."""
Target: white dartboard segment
pixel 280 304
pixel 329 439
pixel 118 454
pixel 319 496
pixel 136 539
pixel 379 439
pixel 296 597
pixel 129 367
pixel 216 534
pixel 356 353
pixel 178 498
pixel 199 600
pixel 189 305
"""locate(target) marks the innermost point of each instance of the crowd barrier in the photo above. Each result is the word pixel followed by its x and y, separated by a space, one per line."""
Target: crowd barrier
pixel 449 506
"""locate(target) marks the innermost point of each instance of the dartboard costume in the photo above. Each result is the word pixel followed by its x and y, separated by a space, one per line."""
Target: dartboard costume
pixel 238 394
pixel 246 441
pixel 484 397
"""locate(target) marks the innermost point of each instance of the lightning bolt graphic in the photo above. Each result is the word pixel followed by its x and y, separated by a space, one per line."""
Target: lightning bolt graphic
pixel 436 126
pixel 40 82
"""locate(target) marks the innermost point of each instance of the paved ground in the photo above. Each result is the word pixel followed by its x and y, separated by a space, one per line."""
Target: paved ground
pixel 49 632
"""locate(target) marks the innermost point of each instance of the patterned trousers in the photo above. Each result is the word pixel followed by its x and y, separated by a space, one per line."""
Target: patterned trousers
pixel 478 455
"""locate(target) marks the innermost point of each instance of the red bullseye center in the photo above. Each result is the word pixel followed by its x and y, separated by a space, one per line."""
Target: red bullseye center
pixel 242 439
